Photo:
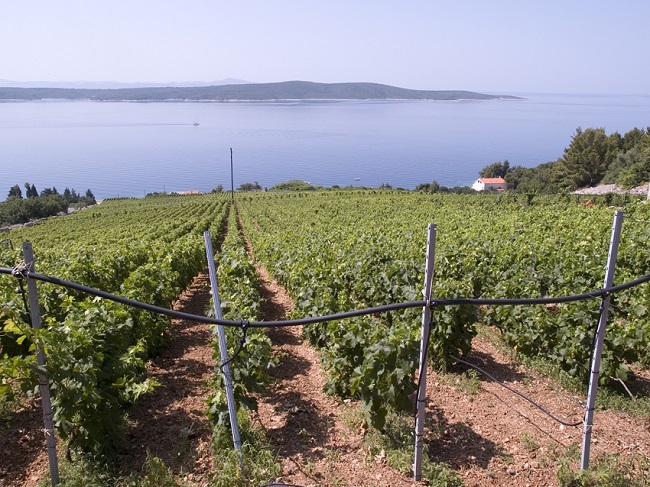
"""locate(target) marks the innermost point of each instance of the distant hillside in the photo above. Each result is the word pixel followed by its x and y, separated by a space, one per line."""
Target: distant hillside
pixel 110 85
pixel 288 90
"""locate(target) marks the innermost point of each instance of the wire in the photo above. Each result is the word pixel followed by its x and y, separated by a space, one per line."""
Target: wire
pixel 17 272
pixel 330 317
pixel 520 394
pixel 215 321
pixel 279 484
pixel 241 342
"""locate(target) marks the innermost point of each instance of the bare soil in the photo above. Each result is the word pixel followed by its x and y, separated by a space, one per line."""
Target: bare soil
pixel 171 423
pixel 307 428
pixel 23 458
pixel 494 437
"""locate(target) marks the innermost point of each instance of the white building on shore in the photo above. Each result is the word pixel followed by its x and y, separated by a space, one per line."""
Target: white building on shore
pixel 482 184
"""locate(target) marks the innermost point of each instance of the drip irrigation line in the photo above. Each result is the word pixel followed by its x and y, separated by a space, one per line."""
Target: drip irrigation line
pixel 205 319
pixel 241 342
pixel 279 484
pixel 20 272
pixel 520 394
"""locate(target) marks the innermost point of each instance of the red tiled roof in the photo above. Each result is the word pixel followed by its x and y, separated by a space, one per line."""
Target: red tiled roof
pixel 493 180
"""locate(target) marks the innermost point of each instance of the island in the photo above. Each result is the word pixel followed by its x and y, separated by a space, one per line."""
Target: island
pixel 255 92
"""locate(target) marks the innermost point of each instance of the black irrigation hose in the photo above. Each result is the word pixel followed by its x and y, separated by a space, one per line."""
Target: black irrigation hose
pixel 205 319
pixel 331 317
pixel 520 394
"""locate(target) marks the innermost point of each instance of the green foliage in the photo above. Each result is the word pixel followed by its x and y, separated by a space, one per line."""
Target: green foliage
pixel 250 187
pixel 591 158
pixel 332 256
pixel 604 471
pixel 587 158
pixel 362 249
pixel 293 185
pixel 434 187
pixel 496 170
pixel 86 471
pixel 15 192
pixel 17 210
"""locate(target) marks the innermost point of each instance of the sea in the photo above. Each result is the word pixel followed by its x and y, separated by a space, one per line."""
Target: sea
pixel 129 149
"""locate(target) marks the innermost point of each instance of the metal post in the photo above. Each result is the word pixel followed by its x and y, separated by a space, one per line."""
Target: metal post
pixel 599 339
pixel 424 346
pixel 223 348
pixel 44 385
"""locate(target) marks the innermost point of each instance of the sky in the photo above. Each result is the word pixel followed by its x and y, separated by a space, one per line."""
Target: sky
pixel 489 46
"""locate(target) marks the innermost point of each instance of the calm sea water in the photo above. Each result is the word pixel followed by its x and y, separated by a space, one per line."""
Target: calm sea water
pixel 129 149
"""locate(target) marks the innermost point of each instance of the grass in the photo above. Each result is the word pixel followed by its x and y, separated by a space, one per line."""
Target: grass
pixel 529 442
pixel 468 382
pixel 604 470
pixel 89 472
pixel 395 446
pixel 256 464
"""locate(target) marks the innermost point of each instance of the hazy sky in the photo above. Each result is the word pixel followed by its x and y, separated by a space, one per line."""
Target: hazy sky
pixel 492 46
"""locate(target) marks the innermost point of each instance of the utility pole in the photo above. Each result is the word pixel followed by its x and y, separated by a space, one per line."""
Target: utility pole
pixel 232 180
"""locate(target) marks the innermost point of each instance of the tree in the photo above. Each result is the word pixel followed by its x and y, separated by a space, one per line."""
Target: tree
pixel 293 185
pixel 49 191
pixel 15 192
pixel 533 180
pixel 250 187
pixel 496 170
pixel 433 187
pixel 90 197
pixel 587 158
pixel 30 191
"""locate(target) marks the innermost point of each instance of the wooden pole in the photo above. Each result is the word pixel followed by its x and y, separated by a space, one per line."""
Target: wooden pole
pixel 43 383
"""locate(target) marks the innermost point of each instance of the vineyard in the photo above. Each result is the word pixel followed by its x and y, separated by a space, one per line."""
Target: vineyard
pixel 333 252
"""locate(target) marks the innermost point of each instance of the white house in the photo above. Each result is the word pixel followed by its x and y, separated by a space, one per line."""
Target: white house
pixel 482 184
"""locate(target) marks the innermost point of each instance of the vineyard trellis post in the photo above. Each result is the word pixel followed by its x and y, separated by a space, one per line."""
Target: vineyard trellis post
pixel 424 347
pixel 43 382
pixel 223 347
pixel 599 340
